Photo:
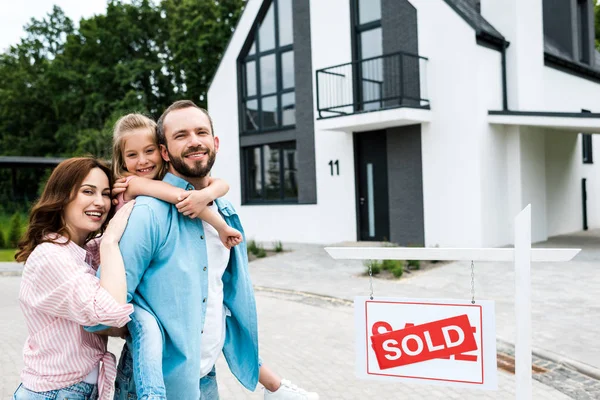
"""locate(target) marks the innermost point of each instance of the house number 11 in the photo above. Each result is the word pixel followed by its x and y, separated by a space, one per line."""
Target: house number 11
pixel 337 166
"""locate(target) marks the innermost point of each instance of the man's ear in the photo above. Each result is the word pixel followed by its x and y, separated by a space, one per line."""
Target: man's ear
pixel 216 144
pixel 164 153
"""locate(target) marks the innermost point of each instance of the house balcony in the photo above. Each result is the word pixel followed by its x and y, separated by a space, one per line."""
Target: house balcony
pixel 374 93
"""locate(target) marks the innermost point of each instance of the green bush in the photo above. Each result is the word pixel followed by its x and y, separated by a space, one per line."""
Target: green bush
pixel 398 270
pixel 252 247
pixel 256 249
pixel 260 252
pixel 2 241
pixel 390 265
pixel 414 264
pixel 278 246
pixel 14 232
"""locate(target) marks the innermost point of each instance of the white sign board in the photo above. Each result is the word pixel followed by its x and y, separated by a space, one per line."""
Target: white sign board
pixel 435 342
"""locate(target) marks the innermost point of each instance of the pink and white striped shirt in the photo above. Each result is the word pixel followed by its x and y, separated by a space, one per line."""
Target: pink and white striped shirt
pixel 59 294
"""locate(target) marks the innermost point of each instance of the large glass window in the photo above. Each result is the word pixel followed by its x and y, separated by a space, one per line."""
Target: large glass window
pixel 369 11
pixel 267 72
pixel 271 173
pixel 369 46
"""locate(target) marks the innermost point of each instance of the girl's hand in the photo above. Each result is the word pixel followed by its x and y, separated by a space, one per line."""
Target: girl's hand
pixel 117 224
pixel 193 202
pixel 119 187
pixel 230 237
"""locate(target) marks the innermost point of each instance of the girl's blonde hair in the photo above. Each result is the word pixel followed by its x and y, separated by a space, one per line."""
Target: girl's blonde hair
pixel 125 125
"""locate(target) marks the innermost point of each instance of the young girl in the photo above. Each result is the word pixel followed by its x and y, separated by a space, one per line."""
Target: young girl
pixel 136 155
pixel 60 291
pixel 136 152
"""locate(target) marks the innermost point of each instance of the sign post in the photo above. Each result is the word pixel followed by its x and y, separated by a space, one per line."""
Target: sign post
pixel 521 255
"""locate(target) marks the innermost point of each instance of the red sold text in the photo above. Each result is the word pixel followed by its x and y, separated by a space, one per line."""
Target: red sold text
pixel 418 343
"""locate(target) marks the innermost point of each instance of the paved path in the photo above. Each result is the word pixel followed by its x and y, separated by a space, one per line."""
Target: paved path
pixel 310 340
pixel 304 339
pixel 565 296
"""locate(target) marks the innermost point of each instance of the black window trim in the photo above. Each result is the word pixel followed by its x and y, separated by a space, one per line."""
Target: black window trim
pixel 259 138
pixel 357 30
pixel 278 51
pixel 586 145
pixel 281 146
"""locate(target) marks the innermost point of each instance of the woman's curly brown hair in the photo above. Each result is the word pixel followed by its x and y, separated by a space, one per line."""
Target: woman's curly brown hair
pixel 46 216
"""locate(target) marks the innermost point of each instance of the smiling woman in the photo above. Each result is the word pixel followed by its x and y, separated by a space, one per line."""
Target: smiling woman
pixel 70 183
pixel 59 289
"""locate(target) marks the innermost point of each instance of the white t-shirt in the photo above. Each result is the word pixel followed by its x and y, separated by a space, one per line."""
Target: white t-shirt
pixel 213 337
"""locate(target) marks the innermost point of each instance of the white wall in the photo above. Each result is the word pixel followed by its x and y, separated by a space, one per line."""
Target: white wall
pixel 450 142
pixel 331 45
pixel 526 177
pixel 568 93
pixel 520 22
pixel 564 171
pixel 495 218
pixel 563 184
pixel 533 179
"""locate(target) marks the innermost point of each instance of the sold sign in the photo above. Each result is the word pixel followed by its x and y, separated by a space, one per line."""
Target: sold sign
pixel 436 339
pixel 442 341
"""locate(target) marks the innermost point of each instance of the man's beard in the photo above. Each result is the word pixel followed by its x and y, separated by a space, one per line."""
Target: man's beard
pixel 198 170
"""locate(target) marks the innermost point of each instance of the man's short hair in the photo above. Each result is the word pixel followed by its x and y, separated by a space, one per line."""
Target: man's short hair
pixel 178 105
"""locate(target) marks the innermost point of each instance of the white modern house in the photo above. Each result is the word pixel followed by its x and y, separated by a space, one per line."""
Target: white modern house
pixel 421 122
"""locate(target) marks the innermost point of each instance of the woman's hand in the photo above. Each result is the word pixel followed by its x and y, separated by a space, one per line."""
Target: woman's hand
pixel 117 224
pixel 119 187
pixel 114 332
pixel 193 202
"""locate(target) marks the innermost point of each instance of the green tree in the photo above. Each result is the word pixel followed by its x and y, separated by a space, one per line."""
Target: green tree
pixel 14 233
pixel 27 118
pixel 198 33
pixel 2 240
pixel 63 87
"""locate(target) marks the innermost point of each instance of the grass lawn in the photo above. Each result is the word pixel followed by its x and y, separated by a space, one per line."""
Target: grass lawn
pixel 7 255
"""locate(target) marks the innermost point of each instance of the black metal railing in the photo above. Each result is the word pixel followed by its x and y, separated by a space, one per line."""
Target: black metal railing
pixel 387 81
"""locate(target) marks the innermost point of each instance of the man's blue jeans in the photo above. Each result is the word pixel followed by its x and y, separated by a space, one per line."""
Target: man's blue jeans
pixel 125 385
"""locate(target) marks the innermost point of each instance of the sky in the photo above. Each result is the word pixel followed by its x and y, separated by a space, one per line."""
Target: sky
pixel 14 14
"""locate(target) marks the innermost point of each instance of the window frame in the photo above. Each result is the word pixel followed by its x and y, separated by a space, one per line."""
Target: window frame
pixel 281 146
pixel 587 145
pixel 587 149
pixel 357 30
pixel 278 51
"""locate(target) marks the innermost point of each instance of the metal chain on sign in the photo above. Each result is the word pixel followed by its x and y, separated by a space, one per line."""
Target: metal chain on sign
pixel 371 281
pixel 472 283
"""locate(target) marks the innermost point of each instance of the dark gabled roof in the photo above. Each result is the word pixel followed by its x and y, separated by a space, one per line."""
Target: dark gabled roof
pixel 483 29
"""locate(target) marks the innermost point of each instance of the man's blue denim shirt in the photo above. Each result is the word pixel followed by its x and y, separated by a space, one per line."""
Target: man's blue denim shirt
pixel 166 265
